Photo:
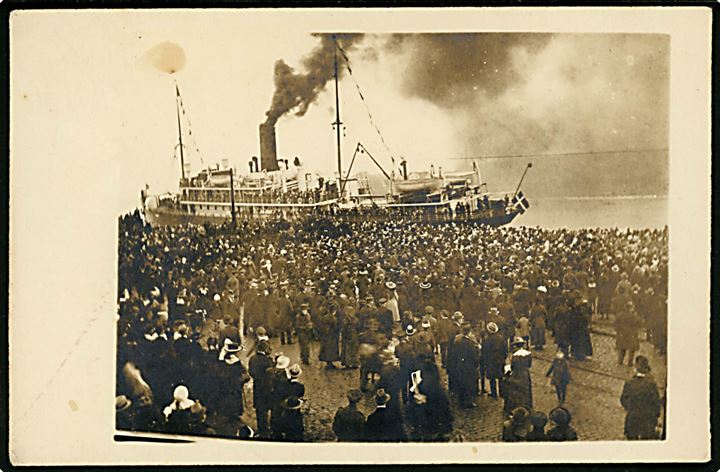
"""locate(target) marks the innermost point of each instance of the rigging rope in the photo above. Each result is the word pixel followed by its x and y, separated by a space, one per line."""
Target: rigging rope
pixel 362 98
pixel 189 125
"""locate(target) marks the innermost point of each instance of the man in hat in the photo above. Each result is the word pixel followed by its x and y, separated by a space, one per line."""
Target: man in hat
pixel 538 320
pixel 627 327
pixel 285 314
pixel 349 422
pixel 385 317
pixel 493 353
pixel 304 331
pixel 297 388
pixel 349 331
pixel 641 402
pixel 406 354
pixel 444 331
pixel 259 365
pixel 465 367
pixel 280 390
pixel 383 425
pixel 290 425
pixel 391 380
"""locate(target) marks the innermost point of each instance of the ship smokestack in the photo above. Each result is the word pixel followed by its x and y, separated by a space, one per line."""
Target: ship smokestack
pixel 268 149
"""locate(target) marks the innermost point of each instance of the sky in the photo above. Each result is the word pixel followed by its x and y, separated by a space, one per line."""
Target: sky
pixel 97 99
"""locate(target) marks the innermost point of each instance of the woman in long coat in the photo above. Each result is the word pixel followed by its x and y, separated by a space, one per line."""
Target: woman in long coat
pixel 516 388
pixel 350 339
pixel 330 338
pixel 538 317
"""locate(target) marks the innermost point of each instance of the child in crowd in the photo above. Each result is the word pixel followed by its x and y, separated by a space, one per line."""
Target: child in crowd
pixel 560 371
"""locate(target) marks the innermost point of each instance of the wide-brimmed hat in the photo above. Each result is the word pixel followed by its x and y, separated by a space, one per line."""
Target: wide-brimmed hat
pixel 282 362
pixel 518 341
pixel 232 347
pixel 542 289
pixel 410 330
pixel 492 327
pixel 425 285
pixel 425 323
pixel 122 403
pixel 560 416
pixel 390 285
pixel 292 403
pixel 295 371
pixel 381 398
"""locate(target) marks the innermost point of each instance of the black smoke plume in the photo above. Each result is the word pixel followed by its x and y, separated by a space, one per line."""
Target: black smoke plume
pixel 295 91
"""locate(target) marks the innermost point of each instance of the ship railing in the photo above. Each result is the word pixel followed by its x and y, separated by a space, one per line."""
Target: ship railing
pixel 263 204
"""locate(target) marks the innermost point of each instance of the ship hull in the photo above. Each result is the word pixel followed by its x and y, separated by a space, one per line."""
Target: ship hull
pixel 164 217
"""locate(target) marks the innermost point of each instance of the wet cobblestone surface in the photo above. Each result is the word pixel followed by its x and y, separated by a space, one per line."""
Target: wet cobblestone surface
pixel 593 396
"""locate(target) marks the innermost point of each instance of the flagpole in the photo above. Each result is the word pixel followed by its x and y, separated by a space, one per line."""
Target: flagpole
pixel 521 179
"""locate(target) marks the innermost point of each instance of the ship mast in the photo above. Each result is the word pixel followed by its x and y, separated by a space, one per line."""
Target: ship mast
pixel 337 123
pixel 182 157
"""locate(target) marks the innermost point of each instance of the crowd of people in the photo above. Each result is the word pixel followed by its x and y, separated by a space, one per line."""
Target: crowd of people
pixel 399 301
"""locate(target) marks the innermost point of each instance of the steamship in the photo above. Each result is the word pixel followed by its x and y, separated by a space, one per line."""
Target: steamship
pixel 279 189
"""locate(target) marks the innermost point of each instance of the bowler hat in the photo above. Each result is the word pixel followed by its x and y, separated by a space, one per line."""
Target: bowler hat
pixel 642 364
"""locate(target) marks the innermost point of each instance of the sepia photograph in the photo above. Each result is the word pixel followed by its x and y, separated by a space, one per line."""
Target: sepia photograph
pixel 495 269
pixel 334 233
